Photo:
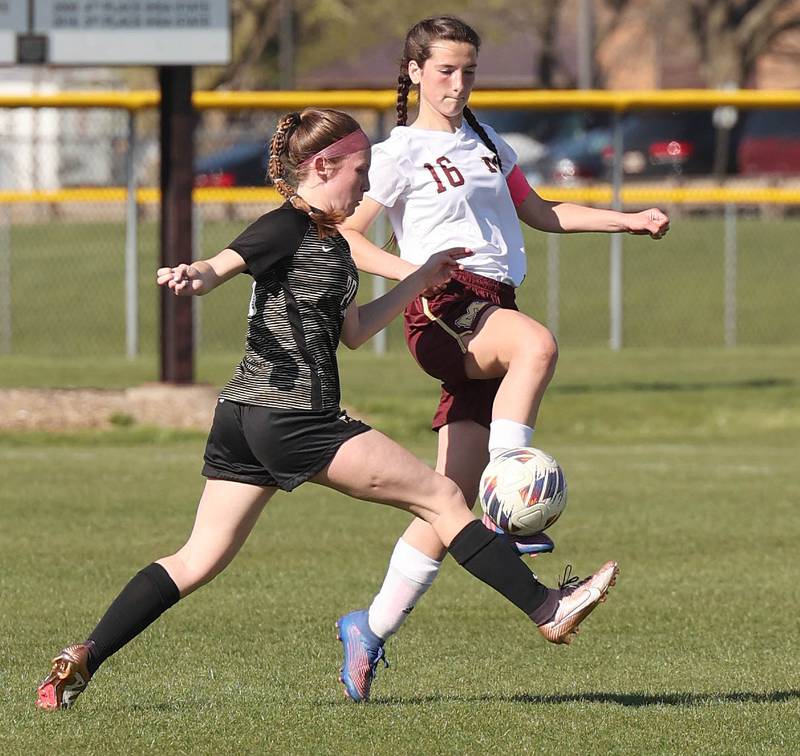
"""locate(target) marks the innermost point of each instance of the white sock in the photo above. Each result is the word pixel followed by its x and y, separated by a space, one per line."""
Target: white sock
pixel 508 434
pixel 410 574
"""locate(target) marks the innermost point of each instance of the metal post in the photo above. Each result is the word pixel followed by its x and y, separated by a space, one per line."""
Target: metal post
pixel 379 235
pixel 553 283
pixel 585 44
pixel 286 46
pixel 5 279
pixel 131 246
pixel 730 275
pixel 177 153
pixel 197 251
pixel 615 274
pixel 379 282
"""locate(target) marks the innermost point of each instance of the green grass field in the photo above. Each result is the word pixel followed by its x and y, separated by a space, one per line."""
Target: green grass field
pixel 682 464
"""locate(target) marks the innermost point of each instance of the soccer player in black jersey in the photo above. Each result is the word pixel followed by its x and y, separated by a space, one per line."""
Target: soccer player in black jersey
pixel 278 422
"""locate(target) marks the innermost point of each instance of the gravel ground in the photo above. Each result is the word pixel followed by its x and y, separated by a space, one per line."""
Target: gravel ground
pixel 153 404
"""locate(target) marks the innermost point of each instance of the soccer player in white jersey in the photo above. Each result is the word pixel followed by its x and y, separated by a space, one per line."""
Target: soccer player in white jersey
pixel 447 180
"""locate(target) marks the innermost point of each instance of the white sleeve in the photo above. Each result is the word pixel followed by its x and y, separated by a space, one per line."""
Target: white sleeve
pixel 508 157
pixel 387 177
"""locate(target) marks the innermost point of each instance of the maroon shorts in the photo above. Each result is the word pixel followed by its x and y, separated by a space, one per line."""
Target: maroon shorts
pixel 435 330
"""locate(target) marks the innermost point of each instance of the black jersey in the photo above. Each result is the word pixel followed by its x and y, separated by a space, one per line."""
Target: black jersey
pixel 302 287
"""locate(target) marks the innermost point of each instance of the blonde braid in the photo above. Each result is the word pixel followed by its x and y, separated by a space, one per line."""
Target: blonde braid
pixel 277 147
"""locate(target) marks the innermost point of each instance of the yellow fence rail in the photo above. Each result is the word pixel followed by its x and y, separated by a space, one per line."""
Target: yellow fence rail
pixel 385 99
pixel 597 194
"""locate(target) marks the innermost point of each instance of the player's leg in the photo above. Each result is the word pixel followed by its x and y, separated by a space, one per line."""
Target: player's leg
pixel 521 352
pixel 418 554
pixel 414 564
pixel 225 516
pixel 372 467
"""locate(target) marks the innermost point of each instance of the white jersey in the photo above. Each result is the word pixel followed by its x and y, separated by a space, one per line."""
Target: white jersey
pixel 444 190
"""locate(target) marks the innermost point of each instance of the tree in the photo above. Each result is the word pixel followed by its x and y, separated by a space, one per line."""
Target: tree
pixel 732 34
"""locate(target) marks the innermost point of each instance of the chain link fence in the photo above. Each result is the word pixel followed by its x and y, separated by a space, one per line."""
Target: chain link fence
pixel 728 273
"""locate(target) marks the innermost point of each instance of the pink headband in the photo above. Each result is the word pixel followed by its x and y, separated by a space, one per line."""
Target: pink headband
pixel 355 141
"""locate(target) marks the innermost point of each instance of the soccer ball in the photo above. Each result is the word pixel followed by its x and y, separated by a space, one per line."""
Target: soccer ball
pixel 523 491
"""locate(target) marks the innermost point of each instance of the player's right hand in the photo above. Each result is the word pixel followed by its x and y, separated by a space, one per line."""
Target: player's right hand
pixel 440 267
pixel 183 280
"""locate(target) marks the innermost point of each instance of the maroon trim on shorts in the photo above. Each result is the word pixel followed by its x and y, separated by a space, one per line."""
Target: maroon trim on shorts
pixel 458 310
pixel 482 285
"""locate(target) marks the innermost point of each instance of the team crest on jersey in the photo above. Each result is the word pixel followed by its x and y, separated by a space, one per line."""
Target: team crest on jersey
pixel 467 320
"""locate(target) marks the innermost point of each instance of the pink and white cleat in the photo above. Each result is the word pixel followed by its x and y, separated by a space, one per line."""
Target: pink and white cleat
pixel 575 600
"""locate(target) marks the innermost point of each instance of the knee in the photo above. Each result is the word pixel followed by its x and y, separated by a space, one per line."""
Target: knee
pixel 538 346
pixel 190 572
pixel 448 496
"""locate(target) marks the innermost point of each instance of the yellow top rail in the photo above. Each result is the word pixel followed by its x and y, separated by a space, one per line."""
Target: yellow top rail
pixel 643 194
pixel 385 99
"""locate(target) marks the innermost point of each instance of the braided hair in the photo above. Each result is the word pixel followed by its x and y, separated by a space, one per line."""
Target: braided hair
pixel 297 137
pixel 417 47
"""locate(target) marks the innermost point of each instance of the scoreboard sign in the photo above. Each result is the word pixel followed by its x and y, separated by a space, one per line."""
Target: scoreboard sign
pixel 121 32
pixel 13 20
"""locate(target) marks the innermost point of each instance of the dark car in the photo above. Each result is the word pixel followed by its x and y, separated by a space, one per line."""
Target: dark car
pixel 655 143
pixel 583 157
pixel 670 143
pixel 770 143
pixel 532 132
pixel 244 164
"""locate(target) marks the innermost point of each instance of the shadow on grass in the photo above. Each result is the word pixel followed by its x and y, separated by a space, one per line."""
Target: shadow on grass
pixel 667 386
pixel 635 700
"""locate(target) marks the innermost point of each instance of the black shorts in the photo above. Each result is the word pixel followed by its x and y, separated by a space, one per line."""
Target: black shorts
pixel 274 447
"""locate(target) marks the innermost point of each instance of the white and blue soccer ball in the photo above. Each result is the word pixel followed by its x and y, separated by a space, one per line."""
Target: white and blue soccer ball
pixel 523 491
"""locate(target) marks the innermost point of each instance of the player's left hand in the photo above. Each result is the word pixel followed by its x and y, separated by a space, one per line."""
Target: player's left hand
pixel 439 267
pixel 183 280
pixel 652 222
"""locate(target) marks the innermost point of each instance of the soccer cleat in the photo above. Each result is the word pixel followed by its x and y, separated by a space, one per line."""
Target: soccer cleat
pixel 67 679
pixel 530 545
pixel 577 599
pixel 362 652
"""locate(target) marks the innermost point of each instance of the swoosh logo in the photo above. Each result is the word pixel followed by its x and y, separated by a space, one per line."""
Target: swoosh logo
pixel 327 249
pixel 593 596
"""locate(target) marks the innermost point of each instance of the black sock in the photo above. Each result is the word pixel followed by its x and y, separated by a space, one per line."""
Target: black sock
pixel 492 560
pixel 142 601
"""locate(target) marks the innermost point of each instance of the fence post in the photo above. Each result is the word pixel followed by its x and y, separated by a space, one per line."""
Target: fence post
pixel 197 253
pixel 378 237
pixel 615 263
pixel 5 279
pixel 553 283
pixel 131 246
pixel 730 275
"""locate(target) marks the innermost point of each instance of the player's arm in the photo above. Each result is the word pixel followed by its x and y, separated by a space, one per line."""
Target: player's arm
pixel 361 323
pixel 567 217
pixel 369 257
pixel 202 276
